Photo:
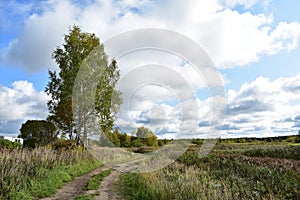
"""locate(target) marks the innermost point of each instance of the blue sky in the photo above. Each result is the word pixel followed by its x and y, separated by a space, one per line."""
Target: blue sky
pixel 255 45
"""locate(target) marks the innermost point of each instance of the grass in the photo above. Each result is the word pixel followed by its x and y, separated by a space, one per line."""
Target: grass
pixel 56 178
pixel 95 181
pixel 174 182
pixel 226 173
pixel 37 173
pixel 286 152
pixel 86 197
pixel 94 184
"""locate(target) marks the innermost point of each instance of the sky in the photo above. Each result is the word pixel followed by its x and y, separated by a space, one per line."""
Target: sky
pixel 253 45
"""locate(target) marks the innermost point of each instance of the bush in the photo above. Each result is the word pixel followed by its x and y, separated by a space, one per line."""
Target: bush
pixel 8 144
pixel 65 144
pixel 31 142
pixel 291 139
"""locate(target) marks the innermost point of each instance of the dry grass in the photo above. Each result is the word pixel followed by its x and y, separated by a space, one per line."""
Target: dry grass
pixel 218 176
pixel 18 167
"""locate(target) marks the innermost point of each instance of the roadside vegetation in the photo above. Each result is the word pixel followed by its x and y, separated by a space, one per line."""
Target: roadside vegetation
pixel 39 172
pixel 94 184
pixel 86 197
pixel 95 181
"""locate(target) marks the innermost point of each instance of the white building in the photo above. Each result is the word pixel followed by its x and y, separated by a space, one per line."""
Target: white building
pixel 13 139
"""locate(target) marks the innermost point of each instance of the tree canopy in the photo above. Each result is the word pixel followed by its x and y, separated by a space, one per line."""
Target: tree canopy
pixel 38 132
pixel 146 136
pixel 75 54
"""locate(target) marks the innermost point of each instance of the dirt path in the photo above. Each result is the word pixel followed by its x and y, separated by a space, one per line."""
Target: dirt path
pixel 106 190
pixel 70 190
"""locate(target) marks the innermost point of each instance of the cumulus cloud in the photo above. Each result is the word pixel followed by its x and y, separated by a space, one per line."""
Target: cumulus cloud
pixel 259 108
pixel 245 3
pixel 42 32
pixel 265 107
pixel 19 103
pixel 229 37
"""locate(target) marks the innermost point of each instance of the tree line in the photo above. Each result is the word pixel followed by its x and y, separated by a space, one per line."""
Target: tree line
pixel 142 137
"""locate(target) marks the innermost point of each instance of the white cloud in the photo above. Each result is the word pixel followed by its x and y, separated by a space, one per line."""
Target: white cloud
pixel 19 103
pixel 245 3
pixel 264 107
pixel 229 37
pixel 260 108
pixel 41 34
pixel 284 37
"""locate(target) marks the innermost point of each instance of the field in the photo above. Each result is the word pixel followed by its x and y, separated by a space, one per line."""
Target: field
pixel 230 171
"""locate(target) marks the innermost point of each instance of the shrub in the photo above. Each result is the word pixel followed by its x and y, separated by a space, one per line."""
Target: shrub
pixel 8 144
pixel 65 144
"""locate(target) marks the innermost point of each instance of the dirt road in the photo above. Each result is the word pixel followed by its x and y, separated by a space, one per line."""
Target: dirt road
pixel 106 190
pixel 72 189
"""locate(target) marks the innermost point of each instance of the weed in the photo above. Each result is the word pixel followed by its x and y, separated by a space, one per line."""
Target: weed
pixel 94 182
pixel 86 197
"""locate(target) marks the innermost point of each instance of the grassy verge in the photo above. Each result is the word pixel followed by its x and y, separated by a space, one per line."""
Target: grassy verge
pixel 86 197
pixel 32 174
pixel 93 184
pixel 55 179
pixel 95 181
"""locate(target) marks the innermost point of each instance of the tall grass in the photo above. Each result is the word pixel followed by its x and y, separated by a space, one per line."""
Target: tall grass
pixel 218 176
pixel 287 152
pixel 21 168
pixel 188 182
pixel 174 182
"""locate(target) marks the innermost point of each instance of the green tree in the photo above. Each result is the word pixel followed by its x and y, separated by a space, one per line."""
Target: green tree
pixel 151 140
pixel 8 144
pixel 143 132
pixel 136 142
pixel 71 57
pixel 114 138
pixel 125 140
pixel 38 133
pixel 147 136
pixel 108 99
pixel 298 137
